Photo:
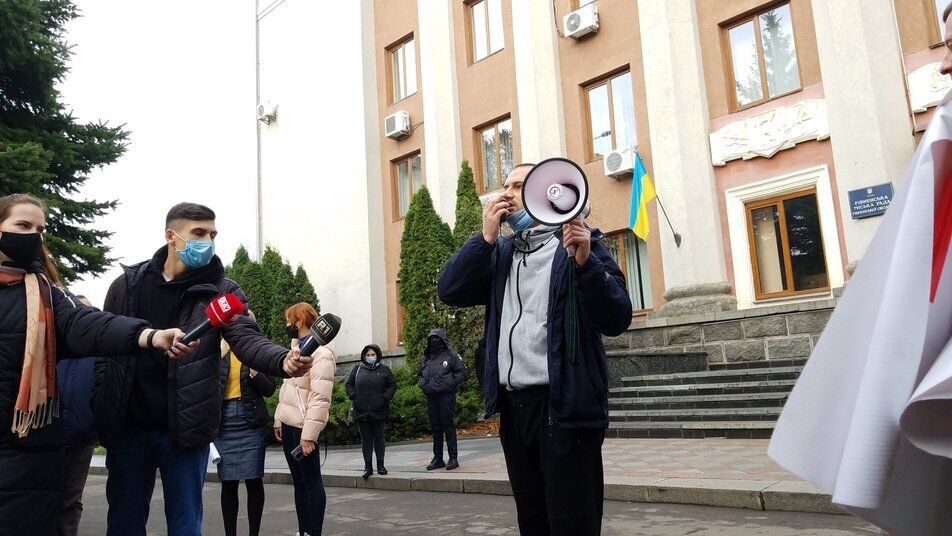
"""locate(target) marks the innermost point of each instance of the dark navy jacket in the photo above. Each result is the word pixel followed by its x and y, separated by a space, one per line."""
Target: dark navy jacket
pixel 76 378
pixel 477 275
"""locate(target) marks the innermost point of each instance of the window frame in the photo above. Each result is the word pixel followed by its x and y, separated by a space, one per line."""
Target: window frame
pixel 471 35
pixel 391 50
pixel 395 182
pixel 777 201
pixel 936 24
pixel 587 108
pixel 754 17
pixel 478 175
pixel 619 237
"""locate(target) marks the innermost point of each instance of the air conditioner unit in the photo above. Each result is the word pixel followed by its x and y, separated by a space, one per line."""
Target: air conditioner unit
pixel 581 22
pixel 397 126
pixel 619 161
pixel 267 112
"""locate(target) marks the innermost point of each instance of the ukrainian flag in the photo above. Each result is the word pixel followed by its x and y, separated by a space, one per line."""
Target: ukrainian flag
pixel 642 191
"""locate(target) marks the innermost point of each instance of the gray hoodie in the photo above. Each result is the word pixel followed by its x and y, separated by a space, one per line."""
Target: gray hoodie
pixel 523 343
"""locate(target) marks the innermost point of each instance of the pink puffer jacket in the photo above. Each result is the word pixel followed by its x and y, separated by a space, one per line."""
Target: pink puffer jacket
pixel 305 402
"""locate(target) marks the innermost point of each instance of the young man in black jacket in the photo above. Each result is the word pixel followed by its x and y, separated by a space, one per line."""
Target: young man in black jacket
pixel 545 369
pixel 153 413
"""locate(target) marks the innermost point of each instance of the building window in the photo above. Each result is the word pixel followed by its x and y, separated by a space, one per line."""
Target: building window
pixel 402 70
pixel 496 156
pixel 786 246
pixel 407 179
pixel 938 7
pixel 611 115
pixel 631 255
pixel 486 28
pixel 763 57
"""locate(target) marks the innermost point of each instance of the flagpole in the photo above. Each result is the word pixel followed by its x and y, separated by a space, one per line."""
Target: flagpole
pixel 677 237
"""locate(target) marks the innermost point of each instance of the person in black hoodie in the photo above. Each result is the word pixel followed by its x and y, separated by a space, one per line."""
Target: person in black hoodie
pixel 440 374
pixel 371 386
pixel 152 414
pixel 32 457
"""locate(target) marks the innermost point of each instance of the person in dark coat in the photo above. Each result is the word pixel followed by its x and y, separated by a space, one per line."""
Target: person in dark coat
pixel 75 379
pixel 156 415
pixel 545 368
pixel 242 438
pixel 440 374
pixel 370 387
pixel 40 323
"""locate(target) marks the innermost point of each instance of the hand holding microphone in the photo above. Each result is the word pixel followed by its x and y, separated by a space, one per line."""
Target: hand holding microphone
pixel 222 311
pixel 322 332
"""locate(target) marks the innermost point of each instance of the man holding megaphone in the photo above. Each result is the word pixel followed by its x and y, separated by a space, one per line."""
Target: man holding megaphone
pixel 551 290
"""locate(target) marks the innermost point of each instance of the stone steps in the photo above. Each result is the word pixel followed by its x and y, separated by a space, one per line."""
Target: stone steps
pixel 737 400
pixel 715 376
pixel 681 415
pixel 752 400
pixel 692 430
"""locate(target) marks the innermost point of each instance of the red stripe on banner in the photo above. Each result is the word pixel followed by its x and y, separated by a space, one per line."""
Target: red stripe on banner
pixel 942 231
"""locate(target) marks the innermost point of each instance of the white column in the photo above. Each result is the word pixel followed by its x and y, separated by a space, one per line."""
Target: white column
pixel 695 273
pixel 377 288
pixel 538 87
pixel 442 152
pixel 870 128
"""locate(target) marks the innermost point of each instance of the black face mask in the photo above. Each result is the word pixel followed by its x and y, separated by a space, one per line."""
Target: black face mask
pixel 21 248
pixel 292 332
pixel 435 346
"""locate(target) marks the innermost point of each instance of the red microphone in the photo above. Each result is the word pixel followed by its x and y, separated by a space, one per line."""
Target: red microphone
pixel 220 312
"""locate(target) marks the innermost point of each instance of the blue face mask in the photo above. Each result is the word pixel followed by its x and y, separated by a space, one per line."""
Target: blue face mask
pixel 519 221
pixel 197 253
pixel 371 359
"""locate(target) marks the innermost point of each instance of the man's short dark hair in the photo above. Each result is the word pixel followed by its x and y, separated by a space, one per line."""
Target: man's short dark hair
pixel 945 14
pixel 190 212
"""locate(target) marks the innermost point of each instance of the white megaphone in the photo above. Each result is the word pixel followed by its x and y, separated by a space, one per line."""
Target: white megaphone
pixel 555 192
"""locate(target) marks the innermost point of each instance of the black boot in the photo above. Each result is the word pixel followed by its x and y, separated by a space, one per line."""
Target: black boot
pixel 381 470
pixel 367 472
pixel 453 464
pixel 436 463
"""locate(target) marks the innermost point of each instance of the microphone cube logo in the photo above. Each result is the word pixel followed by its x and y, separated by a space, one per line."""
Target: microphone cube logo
pixel 223 304
pixel 323 327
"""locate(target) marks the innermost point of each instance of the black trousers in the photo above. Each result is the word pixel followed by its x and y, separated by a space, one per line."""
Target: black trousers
pixel 442 412
pixel 78 458
pixel 371 441
pixel 310 499
pixel 556 473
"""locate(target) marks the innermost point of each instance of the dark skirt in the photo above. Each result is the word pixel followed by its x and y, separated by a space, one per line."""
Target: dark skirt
pixel 241 446
pixel 31 485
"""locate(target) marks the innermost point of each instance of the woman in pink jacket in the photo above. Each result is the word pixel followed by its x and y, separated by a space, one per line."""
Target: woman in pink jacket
pixel 300 417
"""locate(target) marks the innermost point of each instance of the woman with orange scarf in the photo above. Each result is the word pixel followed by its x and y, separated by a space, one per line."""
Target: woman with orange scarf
pixel 39 323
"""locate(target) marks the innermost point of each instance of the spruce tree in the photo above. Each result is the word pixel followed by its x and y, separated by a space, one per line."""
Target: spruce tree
pixel 426 245
pixel 469 210
pixel 44 151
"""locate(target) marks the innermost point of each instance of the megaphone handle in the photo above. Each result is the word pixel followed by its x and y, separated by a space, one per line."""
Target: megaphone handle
pixel 572 249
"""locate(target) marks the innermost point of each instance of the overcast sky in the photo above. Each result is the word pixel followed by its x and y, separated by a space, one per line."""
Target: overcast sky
pixel 181 76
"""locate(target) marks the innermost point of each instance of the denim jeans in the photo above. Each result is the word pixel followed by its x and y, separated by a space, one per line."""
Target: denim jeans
pixel 132 463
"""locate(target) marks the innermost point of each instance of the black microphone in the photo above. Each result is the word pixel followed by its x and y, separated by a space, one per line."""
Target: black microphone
pixel 323 331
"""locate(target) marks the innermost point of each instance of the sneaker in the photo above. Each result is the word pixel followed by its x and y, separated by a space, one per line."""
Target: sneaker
pixel 437 463
pixel 453 464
